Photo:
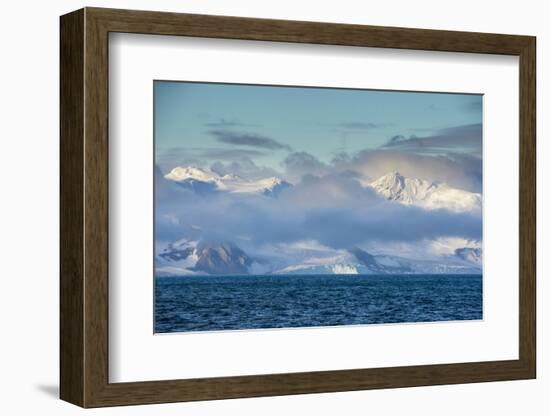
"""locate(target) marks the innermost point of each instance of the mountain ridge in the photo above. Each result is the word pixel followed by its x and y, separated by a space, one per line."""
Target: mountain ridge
pixel 205 179
pixel 225 258
pixel 392 186
pixel 429 195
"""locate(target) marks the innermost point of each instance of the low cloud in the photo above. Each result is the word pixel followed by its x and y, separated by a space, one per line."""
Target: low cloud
pixel 333 210
pixel 461 171
pixel 299 164
pixel 458 170
pixel 245 168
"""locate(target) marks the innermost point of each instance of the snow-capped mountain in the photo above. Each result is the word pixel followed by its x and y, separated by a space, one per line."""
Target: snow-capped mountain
pixel 358 261
pixel 177 259
pixel 352 261
pixel 192 257
pixel 412 191
pixel 392 186
pixel 181 173
pixel 204 180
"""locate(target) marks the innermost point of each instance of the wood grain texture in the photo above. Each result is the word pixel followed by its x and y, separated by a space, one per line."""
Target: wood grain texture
pixel 96 207
pixel 84 207
pixel 162 23
pixel 71 208
pixel 528 208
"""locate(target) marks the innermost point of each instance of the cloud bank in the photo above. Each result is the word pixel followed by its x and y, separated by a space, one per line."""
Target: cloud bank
pixel 458 170
pixel 334 210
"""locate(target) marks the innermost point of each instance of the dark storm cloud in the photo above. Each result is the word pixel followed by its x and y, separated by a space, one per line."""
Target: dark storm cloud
pixel 461 139
pixel 247 139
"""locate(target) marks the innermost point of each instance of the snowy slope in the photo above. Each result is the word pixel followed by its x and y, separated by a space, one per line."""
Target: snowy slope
pixel 178 258
pixel 358 261
pixel 331 263
pixel 205 179
pixel 183 258
pixel 412 191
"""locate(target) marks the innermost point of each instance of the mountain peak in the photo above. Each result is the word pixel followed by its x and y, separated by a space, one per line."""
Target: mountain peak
pixel 181 173
pixel 394 174
pixel 206 180
pixel 390 185
pixel 430 195
pixel 393 177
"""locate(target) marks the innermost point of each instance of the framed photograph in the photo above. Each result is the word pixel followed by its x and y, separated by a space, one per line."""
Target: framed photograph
pixel 254 207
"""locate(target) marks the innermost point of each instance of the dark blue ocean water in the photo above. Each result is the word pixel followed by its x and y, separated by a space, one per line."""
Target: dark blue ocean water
pixel 209 303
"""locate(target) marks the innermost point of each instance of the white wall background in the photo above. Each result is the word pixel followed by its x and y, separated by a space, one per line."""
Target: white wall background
pixel 29 208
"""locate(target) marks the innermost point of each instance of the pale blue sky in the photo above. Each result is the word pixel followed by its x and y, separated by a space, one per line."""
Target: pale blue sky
pixel 268 123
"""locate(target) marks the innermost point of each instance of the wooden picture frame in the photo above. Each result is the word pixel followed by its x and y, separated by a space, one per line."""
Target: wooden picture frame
pixel 84 207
